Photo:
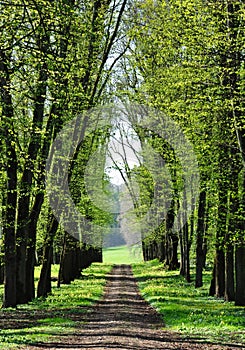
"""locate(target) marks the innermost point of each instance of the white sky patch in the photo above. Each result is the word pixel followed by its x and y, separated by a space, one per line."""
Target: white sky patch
pixel 124 148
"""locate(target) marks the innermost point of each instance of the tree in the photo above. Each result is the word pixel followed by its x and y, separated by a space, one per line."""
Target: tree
pixel 11 195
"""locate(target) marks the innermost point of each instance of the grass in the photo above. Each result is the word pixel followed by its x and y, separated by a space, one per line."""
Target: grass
pixel 189 310
pixel 122 255
pixel 43 319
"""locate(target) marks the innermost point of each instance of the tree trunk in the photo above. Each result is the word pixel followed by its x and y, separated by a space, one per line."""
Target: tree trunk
pixel 172 239
pixel 186 241
pixel 10 292
pixel 44 283
pixel 9 299
pixel 187 252
pixel 144 250
pixel 199 240
pixel 220 273
pixel 232 227
pixel 1 271
pixel 240 251
pixel 240 276
pixel 221 233
pixel 66 262
pixel 31 249
pixel 212 284
pixel 229 274
pixel 182 258
pixel 26 292
pixel 161 248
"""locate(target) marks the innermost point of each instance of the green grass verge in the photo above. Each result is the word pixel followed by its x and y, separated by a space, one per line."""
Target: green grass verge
pixel 42 319
pixel 189 310
pixel 122 255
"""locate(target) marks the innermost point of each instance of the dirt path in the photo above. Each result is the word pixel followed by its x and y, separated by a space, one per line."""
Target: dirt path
pixel 123 320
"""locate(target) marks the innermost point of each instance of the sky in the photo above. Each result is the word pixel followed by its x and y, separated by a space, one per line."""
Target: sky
pixel 123 145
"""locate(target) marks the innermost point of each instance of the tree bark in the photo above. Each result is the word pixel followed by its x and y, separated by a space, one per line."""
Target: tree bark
pixel 26 239
pixel 229 274
pixel 212 284
pixel 221 233
pixel 31 249
pixel 220 273
pixel 240 276
pixel 240 252
pixel 44 283
pixel 199 240
pixel 9 299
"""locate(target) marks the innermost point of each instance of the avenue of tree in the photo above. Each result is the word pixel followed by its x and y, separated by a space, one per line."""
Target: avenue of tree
pixel 184 58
